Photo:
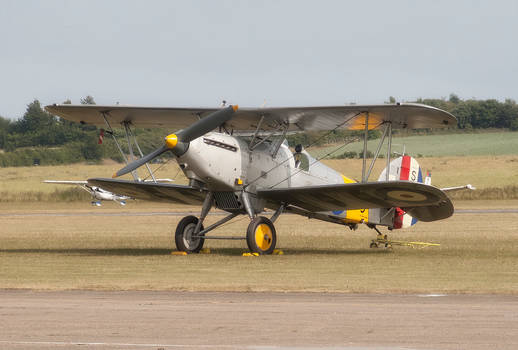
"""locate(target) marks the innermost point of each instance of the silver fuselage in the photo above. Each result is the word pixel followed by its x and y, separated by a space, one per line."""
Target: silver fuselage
pixel 224 162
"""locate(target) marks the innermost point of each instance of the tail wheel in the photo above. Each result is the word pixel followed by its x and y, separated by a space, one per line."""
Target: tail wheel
pixel 261 236
pixel 183 235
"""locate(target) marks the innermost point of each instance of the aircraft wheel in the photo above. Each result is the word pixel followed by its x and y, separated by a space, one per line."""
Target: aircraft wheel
pixel 183 235
pixel 373 245
pixel 261 236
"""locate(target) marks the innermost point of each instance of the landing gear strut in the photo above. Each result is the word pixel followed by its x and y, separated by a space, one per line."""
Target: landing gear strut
pixel 261 236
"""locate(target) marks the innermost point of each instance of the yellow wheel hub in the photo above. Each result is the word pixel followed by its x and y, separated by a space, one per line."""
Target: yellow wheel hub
pixel 263 237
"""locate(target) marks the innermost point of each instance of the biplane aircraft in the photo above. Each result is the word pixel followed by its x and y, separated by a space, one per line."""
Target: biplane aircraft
pixel 238 160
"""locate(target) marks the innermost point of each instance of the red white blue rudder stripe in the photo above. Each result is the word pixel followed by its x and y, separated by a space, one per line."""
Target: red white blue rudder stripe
pixel 403 168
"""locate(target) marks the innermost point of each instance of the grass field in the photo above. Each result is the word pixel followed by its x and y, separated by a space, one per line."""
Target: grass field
pixel 25 184
pixel 477 254
pixel 87 249
pixel 492 164
pixel 448 145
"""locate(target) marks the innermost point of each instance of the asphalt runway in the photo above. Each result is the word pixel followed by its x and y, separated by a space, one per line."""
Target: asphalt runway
pixel 210 320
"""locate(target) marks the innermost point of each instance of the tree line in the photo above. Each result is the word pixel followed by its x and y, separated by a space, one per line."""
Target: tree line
pixel 479 114
pixel 39 137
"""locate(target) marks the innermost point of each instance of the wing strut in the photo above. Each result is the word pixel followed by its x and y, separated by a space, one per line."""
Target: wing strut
pixel 129 134
pixel 130 140
pixel 389 149
pixel 365 137
pixel 111 132
pixel 377 153
pixel 387 132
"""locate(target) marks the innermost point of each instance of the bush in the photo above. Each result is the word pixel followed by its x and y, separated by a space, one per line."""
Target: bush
pixel 348 155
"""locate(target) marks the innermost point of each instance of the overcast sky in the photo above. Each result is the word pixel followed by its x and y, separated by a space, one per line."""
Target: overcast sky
pixel 196 53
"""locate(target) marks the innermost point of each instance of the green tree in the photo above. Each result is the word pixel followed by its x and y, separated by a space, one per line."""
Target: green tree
pixel 91 150
pixel 34 119
pixel 88 100
pixel 392 99
pixel 4 129
pixel 454 99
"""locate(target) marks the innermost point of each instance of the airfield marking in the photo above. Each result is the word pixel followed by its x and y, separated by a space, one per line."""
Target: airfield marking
pixel 217 213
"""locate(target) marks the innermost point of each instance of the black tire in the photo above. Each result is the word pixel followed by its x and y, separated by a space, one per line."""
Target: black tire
pixel 182 235
pixel 261 236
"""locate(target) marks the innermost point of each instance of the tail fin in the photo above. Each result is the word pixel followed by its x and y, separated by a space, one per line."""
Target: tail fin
pixel 404 168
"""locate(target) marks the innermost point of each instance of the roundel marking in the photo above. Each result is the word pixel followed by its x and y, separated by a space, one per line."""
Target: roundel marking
pixel 406 196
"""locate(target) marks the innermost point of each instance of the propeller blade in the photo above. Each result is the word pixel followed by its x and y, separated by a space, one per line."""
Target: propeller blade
pixel 139 162
pixel 204 125
pixel 179 143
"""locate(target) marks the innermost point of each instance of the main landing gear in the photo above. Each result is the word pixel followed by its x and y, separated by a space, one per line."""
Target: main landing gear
pixel 261 236
pixel 184 237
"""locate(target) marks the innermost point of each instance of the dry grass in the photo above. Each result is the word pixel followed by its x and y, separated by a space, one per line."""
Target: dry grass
pixel 493 173
pixel 477 255
pixel 25 184
pixel 481 171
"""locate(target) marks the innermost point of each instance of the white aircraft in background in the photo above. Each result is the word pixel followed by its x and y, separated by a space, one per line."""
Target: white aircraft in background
pixel 98 194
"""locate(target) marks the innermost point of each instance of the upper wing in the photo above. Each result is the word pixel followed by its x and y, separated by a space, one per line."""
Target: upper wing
pixel 424 202
pixel 152 191
pixel 412 116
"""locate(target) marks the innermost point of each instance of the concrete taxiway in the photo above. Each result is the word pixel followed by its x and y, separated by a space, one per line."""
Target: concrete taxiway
pixel 211 320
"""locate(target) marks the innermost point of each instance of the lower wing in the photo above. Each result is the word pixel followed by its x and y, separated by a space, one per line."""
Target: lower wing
pixel 151 191
pixel 424 202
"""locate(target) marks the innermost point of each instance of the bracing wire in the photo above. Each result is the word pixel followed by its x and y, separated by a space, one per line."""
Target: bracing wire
pixel 161 166
pixel 317 160
pixel 322 157
pixel 306 147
